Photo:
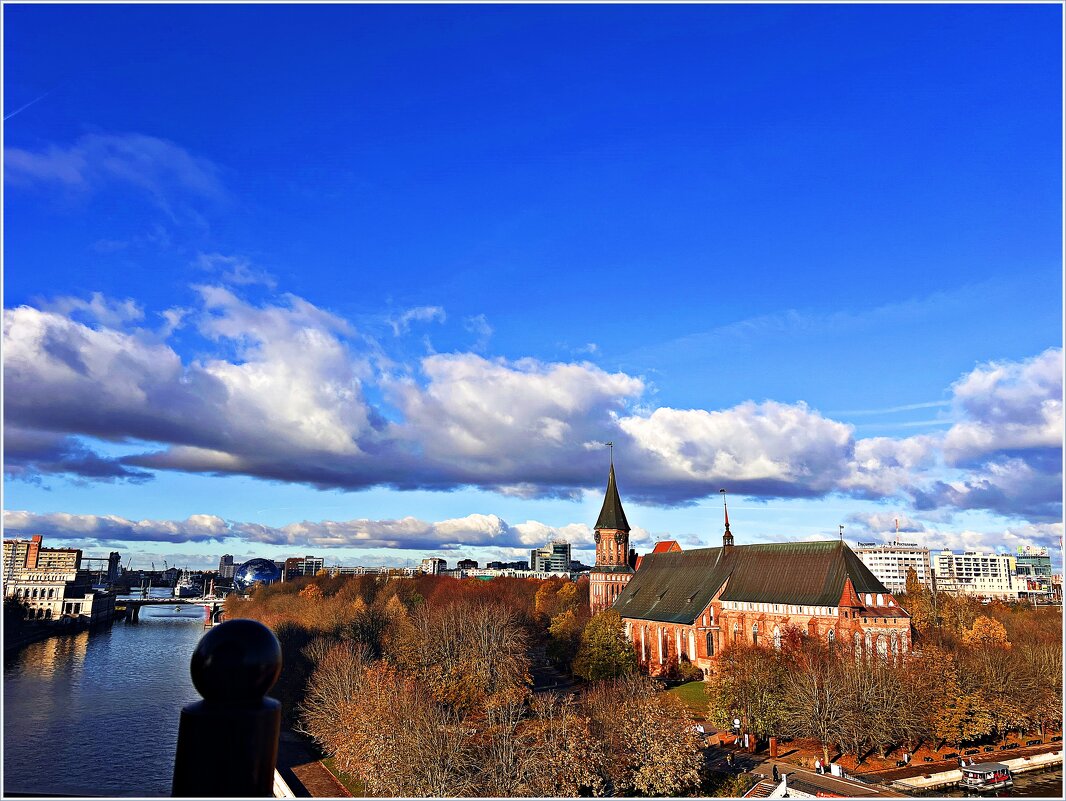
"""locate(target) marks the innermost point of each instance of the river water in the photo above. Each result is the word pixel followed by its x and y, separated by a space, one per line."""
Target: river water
pixel 97 713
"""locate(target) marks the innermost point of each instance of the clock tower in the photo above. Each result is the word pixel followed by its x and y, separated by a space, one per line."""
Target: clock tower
pixel 612 571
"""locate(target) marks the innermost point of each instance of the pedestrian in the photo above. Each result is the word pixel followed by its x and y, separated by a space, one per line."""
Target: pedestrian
pixel 776 776
pixel 818 765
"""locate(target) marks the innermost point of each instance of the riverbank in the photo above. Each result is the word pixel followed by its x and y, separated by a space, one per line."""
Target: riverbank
pixel 925 782
pixel 35 632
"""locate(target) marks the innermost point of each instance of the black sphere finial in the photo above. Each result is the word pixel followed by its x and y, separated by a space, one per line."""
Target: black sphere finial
pixel 236 662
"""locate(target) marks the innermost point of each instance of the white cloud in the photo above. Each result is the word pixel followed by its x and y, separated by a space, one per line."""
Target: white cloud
pixel 401 323
pixel 153 165
pixel 1007 406
pixel 195 528
pixel 234 270
pixel 765 448
pixel 479 325
pixel 280 391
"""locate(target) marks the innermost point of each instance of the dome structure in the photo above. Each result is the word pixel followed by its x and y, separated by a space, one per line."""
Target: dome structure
pixel 255 571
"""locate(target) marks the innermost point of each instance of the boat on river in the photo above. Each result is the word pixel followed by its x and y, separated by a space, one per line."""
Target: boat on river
pixel 186 587
pixel 985 777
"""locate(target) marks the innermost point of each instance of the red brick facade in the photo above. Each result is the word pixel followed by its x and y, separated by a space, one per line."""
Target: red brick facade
pixel 882 628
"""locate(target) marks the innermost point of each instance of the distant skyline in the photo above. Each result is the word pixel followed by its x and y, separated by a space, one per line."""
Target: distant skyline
pixel 377 283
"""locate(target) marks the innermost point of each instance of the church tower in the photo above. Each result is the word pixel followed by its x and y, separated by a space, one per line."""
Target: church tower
pixel 612 571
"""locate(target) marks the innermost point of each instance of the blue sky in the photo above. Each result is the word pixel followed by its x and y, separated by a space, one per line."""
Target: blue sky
pixel 372 282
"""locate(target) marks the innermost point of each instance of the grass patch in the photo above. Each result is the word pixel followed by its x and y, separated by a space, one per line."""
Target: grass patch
pixel 694 696
pixel 351 784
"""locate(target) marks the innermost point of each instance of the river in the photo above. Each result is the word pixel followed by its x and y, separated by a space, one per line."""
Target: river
pixel 97 713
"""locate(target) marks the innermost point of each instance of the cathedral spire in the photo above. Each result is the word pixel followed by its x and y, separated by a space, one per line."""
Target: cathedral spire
pixel 611 514
pixel 727 538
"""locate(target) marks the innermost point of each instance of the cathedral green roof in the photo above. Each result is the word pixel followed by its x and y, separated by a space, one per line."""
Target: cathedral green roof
pixel 676 587
pixel 611 515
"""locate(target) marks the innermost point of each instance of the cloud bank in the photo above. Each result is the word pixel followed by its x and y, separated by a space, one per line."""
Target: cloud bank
pixel 285 390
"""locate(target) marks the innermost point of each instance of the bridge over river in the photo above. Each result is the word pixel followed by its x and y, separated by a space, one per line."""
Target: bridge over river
pixel 212 605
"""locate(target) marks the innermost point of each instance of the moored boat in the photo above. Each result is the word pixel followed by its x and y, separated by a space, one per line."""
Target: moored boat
pixel 986 777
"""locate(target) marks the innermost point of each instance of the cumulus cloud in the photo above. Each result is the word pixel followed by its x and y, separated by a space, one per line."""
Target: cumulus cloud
pixel 475 530
pixel 886 522
pixel 511 425
pixel 282 390
pixel 1007 407
pixel 98 309
pixel 196 528
pixel 28 455
pixel 769 448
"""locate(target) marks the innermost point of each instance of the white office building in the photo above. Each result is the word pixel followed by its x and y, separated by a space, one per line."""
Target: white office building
pixel 982 574
pixel 890 563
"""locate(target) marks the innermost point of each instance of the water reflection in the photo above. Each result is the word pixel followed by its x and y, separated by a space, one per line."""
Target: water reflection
pixel 96 713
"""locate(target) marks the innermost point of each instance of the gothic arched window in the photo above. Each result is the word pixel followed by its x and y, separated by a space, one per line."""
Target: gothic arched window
pixel 736 632
pixel 832 638
pixel 754 633
pixel 710 643
pixel 777 638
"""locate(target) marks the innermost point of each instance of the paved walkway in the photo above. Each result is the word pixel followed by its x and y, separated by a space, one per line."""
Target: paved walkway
pixel 306 776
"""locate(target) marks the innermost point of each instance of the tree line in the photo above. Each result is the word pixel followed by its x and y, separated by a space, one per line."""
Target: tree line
pixel 423 687
pixel 977 673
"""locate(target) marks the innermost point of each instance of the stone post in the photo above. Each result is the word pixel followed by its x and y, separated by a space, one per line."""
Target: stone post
pixel 228 743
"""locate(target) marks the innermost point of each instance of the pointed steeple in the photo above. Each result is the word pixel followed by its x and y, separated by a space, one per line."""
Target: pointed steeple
pixel 611 515
pixel 727 538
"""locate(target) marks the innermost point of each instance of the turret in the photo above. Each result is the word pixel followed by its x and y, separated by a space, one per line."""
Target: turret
pixel 727 537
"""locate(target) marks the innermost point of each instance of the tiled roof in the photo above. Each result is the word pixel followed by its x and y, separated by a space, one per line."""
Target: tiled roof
pixel 666 546
pixel 675 587
pixel 611 514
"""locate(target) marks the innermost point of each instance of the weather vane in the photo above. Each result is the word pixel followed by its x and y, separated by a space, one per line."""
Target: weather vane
pixel 611 446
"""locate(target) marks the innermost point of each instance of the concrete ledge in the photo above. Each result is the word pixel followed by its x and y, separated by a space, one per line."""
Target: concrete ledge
pixel 281 787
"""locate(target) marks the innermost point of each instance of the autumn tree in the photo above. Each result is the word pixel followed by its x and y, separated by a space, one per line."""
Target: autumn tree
pixel 986 633
pixel 398 741
pixel 747 681
pixel 566 760
pixel 652 746
pixel 564 637
pixel 813 705
pixel 605 652
pixel 469 651
pixel 337 678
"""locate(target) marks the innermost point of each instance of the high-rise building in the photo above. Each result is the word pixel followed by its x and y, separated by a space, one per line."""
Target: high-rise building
pixel 32 555
pixel 979 573
pixel 1033 561
pixel 434 566
pixel 312 564
pixel 552 558
pixel 891 561
pixel 226 566
pixel 466 564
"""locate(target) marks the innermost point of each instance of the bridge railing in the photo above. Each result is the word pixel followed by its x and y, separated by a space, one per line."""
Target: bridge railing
pixel 233 667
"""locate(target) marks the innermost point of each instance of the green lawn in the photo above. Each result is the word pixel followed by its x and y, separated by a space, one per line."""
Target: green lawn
pixel 352 784
pixel 694 696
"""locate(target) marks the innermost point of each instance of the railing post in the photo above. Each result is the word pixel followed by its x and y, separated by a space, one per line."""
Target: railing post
pixel 228 743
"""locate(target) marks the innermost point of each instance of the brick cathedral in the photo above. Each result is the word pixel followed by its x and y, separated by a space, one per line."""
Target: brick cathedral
pixel 693 605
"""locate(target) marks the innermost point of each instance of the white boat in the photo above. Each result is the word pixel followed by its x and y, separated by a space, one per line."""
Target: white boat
pixel 186 587
pixel 986 777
